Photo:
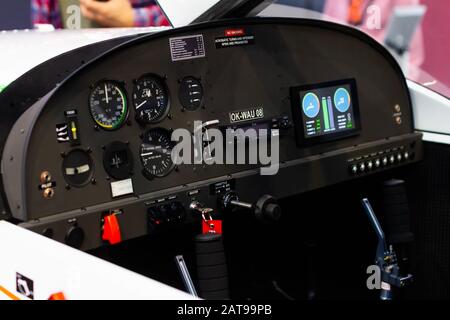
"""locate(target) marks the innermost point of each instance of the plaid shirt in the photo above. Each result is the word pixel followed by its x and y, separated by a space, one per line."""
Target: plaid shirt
pixel 146 13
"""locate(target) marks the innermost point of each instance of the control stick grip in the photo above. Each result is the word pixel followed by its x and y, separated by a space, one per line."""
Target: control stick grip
pixel 212 268
pixel 397 212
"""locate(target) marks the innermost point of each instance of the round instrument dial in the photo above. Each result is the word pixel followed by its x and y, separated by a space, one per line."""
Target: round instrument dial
pixel 150 99
pixel 155 153
pixel 108 105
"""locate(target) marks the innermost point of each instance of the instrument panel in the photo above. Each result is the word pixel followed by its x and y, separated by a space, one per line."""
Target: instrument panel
pixel 101 141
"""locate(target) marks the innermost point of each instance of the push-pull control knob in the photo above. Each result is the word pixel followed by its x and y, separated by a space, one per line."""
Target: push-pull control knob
pixel 265 209
pixel 75 237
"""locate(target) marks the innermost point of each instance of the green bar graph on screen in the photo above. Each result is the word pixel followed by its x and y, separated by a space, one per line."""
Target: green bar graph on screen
pixel 325 114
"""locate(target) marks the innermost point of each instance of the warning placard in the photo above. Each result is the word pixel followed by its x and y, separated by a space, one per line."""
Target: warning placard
pixel 228 42
pixel 189 47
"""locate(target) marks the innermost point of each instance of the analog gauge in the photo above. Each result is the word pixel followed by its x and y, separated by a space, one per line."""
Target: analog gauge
pixel 78 168
pixel 191 93
pixel 150 99
pixel 108 105
pixel 155 153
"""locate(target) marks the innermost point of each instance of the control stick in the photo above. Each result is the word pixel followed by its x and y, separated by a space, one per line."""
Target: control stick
pixel 265 208
pixel 386 259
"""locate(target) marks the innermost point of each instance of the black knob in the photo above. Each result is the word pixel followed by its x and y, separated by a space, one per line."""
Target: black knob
pixel 273 212
pixel 267 209
pixel 177 211
pixel 75 237
pixel 165 213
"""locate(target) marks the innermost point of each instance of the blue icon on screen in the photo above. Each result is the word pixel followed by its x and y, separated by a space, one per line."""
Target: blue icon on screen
pixel 311 105
pixel 342 100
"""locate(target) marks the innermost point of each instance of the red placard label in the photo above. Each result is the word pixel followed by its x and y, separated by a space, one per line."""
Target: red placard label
pixel 212 226
pixel 234 32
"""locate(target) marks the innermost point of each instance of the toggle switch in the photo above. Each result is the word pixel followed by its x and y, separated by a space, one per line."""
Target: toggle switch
pixel 111 229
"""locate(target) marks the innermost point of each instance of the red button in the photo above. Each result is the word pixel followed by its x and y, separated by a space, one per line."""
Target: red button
pixel 57 296
pixel 111 229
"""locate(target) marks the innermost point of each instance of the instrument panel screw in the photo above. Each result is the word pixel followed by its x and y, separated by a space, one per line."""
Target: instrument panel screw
pixel 67 187
pixel 63 154
pixel 93 181
pixel 49 193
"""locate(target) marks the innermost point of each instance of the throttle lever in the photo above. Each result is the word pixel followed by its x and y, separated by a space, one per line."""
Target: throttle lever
pixel 265 208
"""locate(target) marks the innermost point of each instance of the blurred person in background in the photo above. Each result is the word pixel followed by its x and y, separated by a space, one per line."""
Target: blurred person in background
pixel 110 13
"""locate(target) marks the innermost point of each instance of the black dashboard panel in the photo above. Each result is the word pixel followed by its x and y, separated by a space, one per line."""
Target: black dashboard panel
pixel 66 179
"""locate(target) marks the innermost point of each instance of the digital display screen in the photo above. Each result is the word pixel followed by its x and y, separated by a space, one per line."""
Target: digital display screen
pixel 326 111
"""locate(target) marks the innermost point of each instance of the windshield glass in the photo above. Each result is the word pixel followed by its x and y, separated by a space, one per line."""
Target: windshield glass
pixel 415 31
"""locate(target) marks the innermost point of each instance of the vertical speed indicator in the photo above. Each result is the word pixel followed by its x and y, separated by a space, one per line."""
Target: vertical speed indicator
pixel 108 105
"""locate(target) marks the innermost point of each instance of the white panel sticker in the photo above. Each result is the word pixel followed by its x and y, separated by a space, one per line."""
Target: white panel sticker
pixel 121 188
pixel 188 47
